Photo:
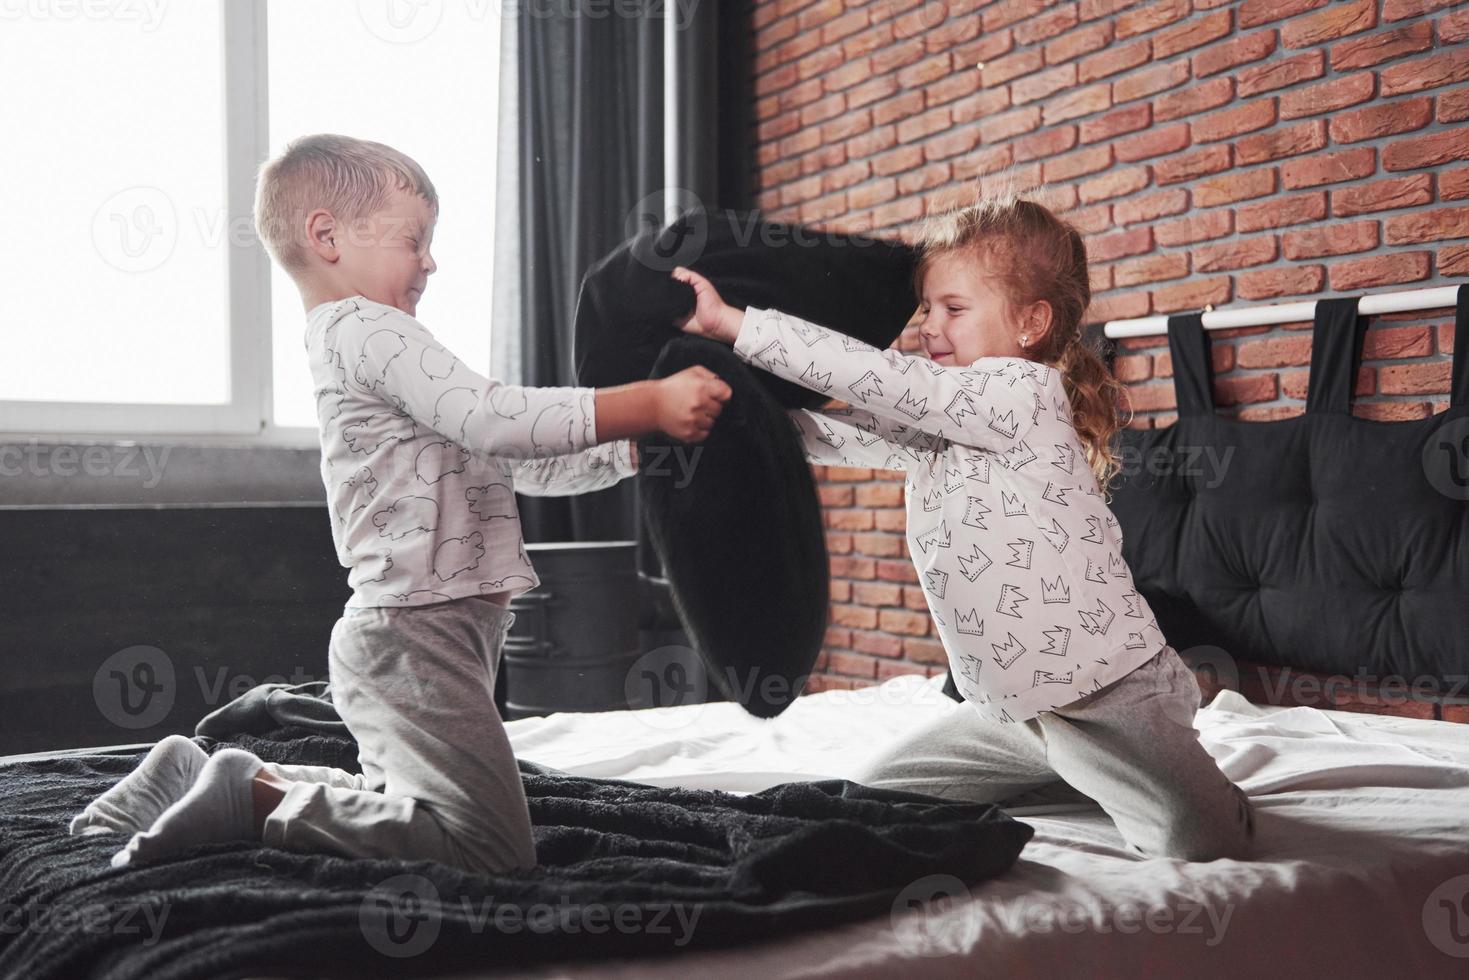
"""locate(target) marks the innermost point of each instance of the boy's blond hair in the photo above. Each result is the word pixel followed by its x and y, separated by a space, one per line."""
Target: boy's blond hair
pixel 349 177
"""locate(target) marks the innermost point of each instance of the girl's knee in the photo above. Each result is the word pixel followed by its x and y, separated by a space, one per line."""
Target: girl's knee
pixel 1198 847
pixel 1209 840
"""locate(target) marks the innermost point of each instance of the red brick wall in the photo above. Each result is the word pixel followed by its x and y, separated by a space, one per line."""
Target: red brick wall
pixel 1211 153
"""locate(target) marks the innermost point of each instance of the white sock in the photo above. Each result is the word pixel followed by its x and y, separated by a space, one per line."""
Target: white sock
pixel 218 807
pixel 143 794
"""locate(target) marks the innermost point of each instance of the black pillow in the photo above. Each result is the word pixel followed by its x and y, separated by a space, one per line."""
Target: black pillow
pixel 737 524
pixel 858 285
pixel 1326 542
pixel 742 543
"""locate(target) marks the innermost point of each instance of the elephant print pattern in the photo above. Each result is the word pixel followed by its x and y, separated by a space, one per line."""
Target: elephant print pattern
pixel 422 458
pixel 1017 554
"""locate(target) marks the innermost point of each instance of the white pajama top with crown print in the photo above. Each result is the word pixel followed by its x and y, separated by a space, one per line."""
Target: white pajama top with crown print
pixel 422 457
pixel 1018 555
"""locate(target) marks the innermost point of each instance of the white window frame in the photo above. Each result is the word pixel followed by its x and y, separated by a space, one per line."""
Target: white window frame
pixel 247 416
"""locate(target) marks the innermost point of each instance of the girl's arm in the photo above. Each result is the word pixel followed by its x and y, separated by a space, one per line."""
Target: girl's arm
pixel 850 437
pixel 993 405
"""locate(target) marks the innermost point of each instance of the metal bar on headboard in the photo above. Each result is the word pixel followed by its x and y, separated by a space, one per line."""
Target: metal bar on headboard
pixel 1438 297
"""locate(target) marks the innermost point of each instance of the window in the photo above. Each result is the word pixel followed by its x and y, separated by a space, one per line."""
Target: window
pixel 419 77
pixel 115 187
pixel 141 301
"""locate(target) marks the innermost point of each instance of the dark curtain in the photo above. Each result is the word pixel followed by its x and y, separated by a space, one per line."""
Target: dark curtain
pixel 591 147
pixel 591 128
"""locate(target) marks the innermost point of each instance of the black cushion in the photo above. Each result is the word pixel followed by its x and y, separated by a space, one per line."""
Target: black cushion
pixel 737 524
pixel 859 285
pixel 742 544
pixel 1325 542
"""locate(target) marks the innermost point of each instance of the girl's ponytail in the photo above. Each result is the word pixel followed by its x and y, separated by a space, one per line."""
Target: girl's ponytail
pixel 1095 395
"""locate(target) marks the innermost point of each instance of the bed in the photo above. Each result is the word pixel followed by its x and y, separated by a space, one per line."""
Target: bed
pixel 1297 556
pixel 1362 870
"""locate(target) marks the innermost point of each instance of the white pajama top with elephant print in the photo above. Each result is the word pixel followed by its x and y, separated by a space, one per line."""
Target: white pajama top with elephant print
pixel 422 457
pixel 1017 553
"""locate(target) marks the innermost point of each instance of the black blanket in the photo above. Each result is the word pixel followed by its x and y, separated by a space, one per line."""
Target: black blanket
pixel 624 869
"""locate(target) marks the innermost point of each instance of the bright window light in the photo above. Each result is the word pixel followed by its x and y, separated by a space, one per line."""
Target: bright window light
pixel 419 77
pixel 120 252
pixel 114 201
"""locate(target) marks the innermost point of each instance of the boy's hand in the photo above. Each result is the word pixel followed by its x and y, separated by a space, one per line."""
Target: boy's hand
pixel 712 316
pixel 689 402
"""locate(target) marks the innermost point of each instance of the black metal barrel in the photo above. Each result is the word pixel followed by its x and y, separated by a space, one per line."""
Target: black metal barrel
pixel 575 636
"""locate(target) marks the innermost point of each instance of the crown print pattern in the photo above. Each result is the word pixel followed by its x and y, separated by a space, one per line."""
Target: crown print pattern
pixel 422 458
pixel 1016 552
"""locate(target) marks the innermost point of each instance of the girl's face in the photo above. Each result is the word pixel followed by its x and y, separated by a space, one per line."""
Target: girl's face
pixel 963 315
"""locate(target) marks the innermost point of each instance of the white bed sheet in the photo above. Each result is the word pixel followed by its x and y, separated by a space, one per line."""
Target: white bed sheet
pixel 1362 866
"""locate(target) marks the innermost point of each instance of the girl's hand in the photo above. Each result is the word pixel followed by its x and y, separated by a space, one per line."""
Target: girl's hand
pixel 712 316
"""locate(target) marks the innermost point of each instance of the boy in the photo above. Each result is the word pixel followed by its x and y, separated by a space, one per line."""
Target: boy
pixel 421 458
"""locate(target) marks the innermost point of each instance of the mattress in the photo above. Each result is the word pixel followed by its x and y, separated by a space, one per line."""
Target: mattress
pixel 1361 870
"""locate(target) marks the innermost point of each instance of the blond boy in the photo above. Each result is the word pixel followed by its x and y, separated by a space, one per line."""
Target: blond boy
pixel 421 460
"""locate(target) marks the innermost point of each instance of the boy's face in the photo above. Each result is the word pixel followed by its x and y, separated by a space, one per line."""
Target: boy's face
pixel 963 314
pixel 386 256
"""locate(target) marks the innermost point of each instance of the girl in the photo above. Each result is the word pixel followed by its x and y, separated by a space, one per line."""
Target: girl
pixel 1004 431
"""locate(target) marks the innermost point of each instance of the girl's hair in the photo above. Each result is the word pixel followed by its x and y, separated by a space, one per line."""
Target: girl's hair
pixel 1034 255
pixel 351 178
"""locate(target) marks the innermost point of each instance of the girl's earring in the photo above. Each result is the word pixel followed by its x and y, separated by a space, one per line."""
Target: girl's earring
pixel 1024 340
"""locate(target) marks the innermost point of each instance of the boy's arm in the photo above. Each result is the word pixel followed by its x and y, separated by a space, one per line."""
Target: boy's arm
pixel 591 469
pixel 990 408
pixel 852 437
pixel 389 354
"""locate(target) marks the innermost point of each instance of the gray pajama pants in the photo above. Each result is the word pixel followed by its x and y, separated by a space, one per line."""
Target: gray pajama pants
pixel 1131 747
pixel 415 686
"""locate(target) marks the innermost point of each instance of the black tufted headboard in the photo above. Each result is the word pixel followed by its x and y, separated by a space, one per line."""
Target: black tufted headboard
pixel 1324 542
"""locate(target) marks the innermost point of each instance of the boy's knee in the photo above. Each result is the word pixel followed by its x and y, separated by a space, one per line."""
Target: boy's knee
pixel 501 858
pixel 883 771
